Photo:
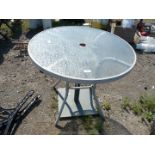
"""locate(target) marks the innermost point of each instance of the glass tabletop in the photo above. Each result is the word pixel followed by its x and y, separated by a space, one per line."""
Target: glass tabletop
pixel 81 54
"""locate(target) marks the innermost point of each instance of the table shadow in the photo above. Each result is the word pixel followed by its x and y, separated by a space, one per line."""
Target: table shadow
pixel 113 127
pixel 108 127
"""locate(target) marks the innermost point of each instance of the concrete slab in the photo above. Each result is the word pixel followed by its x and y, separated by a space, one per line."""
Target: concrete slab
pixel 85 106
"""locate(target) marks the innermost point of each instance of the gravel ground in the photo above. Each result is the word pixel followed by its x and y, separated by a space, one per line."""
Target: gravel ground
pixel 18 75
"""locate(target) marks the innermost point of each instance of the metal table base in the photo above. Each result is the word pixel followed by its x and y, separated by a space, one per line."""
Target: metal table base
pixel 77 101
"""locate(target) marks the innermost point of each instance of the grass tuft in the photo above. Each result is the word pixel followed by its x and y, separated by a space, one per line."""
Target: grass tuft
pixel 106 105
pixel 144 106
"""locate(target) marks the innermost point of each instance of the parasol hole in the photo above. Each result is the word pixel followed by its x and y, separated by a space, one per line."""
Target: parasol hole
pixel 82 44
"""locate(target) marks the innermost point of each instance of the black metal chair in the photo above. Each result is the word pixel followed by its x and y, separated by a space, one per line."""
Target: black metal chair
pixel 10 119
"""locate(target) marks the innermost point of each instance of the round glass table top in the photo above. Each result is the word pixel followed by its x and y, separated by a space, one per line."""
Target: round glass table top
pixel 81 54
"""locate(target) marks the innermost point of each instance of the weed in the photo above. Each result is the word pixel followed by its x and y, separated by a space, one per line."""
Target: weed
pixel 99 125
pixel 87 122
pixel 93 132
pixel 137 108
pixel 148 103
pixel 54 105
pixel 148 116
pixel 126 103
pixel 144 107
pixel 92 126
pixel 5 29
pixel 106 105
pixel 25 25
pixel 54 102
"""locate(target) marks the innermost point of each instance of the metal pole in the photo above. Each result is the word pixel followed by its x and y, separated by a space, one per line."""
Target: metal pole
pixel 63 104
pixel 56 83
pixel 99 108
pixel 77 92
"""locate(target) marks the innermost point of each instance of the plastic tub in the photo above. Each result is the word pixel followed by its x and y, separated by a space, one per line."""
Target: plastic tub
pixel 34 23
pixel 47 23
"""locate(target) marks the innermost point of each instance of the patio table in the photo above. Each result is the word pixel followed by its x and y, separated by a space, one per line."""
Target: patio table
pixel 84 56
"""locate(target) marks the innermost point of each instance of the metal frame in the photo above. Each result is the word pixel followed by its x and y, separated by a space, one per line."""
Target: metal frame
pixel 77 88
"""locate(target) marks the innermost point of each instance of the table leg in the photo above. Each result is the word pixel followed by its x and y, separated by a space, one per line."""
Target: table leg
pixel 56 83
pixel 77 92
pixel 99 108
pixel 76 98
pixel 63 104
